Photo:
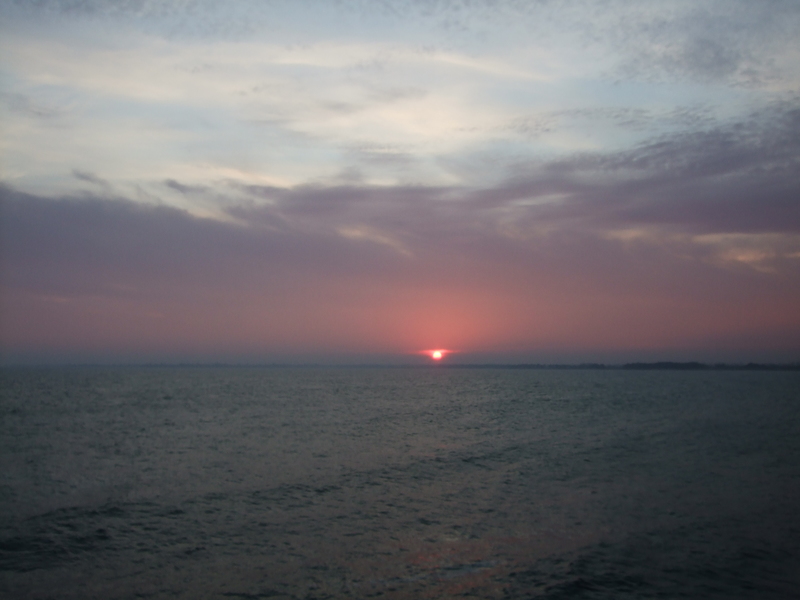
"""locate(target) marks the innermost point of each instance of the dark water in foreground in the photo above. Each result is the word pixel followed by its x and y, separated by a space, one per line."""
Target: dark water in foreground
pixel 398 483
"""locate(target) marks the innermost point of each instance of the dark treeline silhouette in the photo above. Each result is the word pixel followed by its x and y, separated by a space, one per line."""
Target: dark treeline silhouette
pixel 697 366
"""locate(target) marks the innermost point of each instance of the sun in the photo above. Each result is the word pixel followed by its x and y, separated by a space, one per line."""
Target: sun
pixel 436 354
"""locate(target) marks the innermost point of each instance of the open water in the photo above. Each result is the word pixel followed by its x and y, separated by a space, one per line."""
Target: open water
pixel 398 483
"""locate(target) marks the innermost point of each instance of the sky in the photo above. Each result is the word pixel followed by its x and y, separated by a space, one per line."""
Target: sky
pixel 353 181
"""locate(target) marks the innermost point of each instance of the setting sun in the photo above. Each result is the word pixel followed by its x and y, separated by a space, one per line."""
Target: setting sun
pixel 436 354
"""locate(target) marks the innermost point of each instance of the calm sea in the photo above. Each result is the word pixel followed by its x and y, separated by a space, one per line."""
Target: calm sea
pixel 398 483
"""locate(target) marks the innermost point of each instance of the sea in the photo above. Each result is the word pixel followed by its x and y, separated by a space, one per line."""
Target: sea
pixel 398 483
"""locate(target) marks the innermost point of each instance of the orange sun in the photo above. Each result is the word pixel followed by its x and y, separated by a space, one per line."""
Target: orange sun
pixel 436 354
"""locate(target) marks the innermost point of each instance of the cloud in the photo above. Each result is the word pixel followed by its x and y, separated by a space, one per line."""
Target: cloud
pixel 25 106
pixel 400 102
pixel 659 258
pixel 183 189
pixel 738 176
pixel 712 41
pixel 371 235
pixel 90 178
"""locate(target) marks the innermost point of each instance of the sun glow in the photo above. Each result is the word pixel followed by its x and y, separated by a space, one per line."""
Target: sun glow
pixel 436 354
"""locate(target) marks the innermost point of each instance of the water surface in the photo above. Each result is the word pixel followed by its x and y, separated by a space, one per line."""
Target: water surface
pixel 398 483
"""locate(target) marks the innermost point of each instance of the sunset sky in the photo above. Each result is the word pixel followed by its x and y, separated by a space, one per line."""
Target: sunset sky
pixel 359 181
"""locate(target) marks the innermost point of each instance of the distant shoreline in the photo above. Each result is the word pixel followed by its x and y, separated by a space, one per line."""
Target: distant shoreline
pixel 653 366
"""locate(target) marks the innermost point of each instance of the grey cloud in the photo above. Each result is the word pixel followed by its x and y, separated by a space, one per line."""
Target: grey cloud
pixel 731 41
pixel 709 58
pixel 638 119
pixel 188 19
pixel 700 58
pixel 88 7
pixel 708 40
pixel 408 212
pixel 342 108
pixel 183 189
pixel 350 175
pixel 739 176
pixel 381 155
pixel 23 105
pixel 388 95
pixel 534 126
pixel 90 178
pixel 93 243
pixel 736 177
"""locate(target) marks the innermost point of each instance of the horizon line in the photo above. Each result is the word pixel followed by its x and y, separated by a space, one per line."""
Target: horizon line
pixel 630 366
